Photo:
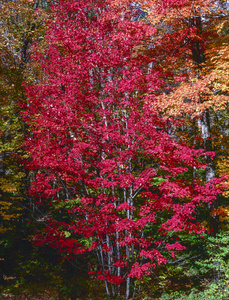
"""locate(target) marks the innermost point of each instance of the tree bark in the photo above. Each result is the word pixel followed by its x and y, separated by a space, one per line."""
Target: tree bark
pixel 204 124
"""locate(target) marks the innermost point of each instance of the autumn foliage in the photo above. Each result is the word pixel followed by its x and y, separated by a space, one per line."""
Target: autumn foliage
pixel 102 155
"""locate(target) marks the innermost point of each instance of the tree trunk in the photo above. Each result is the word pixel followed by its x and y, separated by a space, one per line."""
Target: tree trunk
pixel 204 125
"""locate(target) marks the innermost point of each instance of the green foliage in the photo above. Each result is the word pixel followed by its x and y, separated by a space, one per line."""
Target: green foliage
pixel 217 265
pixel 213 270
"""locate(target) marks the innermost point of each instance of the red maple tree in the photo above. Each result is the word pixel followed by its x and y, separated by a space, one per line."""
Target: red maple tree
pixel 101 155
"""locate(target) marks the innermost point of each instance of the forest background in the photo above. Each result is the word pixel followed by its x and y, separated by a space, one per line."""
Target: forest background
pixel 171 66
